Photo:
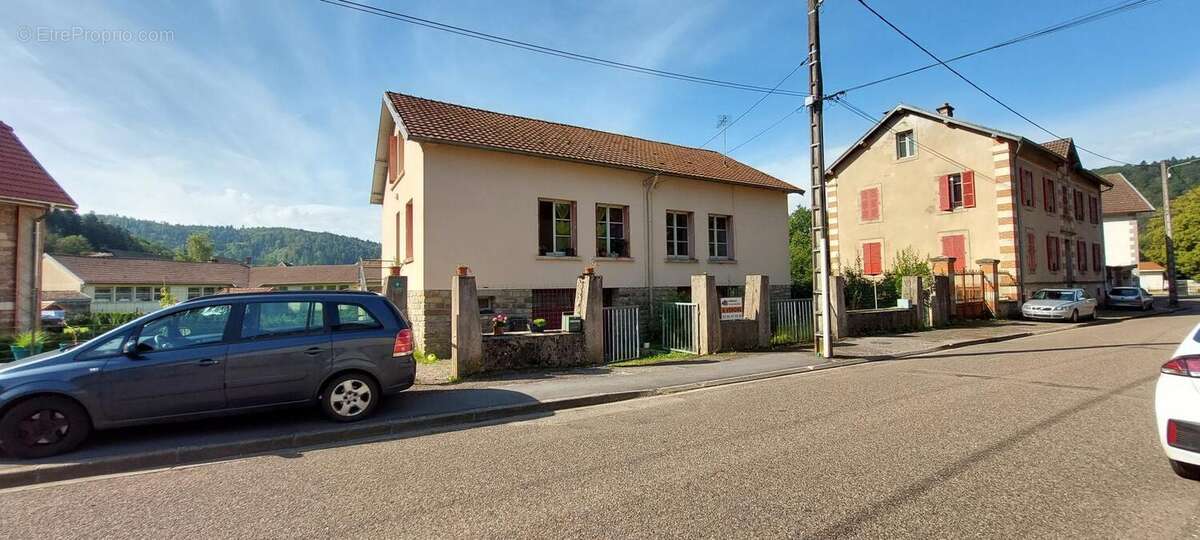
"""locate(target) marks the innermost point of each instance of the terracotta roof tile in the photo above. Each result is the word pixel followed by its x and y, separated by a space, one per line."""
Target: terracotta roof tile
pixel 1123 198
pixel 426 119
pixel 1150 266
pixel 22 177
pixel 119 270
pixel 1062 147
pixel 300 275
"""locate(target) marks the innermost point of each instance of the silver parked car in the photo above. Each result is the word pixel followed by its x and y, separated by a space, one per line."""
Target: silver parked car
pixel 1061 304
pixel 1130 297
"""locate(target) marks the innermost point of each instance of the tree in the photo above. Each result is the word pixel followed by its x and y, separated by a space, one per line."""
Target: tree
pixel 198 248
pixel 800 251
pixel 166 298
pixel 1185 224
pixel 72 245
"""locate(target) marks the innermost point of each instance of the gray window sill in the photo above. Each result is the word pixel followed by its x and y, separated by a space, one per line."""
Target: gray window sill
pixel 680 260
pixel 721 260
pixel 614 259
pixel 557 258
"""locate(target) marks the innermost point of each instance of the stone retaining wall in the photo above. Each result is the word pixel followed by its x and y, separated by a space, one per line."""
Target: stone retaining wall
pixel 865 322
pixel 525 350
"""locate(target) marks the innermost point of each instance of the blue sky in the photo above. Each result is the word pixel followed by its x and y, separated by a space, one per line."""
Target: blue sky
pixel 264 113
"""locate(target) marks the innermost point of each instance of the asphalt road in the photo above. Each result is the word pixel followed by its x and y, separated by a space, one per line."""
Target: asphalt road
pixel 1049 436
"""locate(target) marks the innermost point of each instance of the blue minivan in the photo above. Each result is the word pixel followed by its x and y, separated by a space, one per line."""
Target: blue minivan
pixel 215 355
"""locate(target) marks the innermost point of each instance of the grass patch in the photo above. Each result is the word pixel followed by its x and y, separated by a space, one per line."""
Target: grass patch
pixel 656 357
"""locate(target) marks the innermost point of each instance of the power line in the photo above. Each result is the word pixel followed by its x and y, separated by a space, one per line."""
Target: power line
pixel 755 105
pixel 972 83
pixel 768 128
pixel 1058 27
pixel 533 47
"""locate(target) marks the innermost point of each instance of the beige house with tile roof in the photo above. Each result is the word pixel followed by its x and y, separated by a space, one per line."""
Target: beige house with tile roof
pixel 1122 206
pixel 134 285
pixel 935 184
pixel 527 204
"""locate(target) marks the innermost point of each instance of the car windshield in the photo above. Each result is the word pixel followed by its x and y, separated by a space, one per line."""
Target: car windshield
pixel 1124 291
pixel 1054 295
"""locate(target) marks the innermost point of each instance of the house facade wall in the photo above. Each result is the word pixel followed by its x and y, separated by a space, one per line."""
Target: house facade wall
pixel 20 261
pixel 479 208
pixel 910 216
pixel 1121 240
pixel 1060 223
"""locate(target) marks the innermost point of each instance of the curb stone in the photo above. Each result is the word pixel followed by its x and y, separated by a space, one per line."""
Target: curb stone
pixel 407 427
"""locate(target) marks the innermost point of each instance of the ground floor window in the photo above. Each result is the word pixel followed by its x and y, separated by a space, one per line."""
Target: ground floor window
pixel 610 231
pixel 556 228
pixel 197 292
pixel 679 239
pixel 718 237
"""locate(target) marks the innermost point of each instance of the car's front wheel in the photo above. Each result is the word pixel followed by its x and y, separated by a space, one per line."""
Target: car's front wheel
pixel 350 397
pixel 1075 316
pixel 43 426
pixel 1185 470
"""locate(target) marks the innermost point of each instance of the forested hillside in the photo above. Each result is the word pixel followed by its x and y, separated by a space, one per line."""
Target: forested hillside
pixel 264 245
pixel 1147 179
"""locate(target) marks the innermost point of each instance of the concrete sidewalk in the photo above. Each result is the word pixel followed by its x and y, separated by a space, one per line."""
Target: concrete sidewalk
pixel 430 408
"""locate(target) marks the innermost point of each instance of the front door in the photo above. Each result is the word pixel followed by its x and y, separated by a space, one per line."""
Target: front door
pixel 280 354
pixel 177 367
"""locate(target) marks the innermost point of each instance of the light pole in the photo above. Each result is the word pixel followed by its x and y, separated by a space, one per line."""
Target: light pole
pixel 1165 173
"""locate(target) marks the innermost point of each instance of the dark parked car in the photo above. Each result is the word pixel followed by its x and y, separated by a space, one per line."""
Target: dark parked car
pixel 1130 297
pixel 211 356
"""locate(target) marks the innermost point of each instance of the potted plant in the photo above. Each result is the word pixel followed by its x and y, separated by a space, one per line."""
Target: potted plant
pixel 397 265
pixel 27 344
pixel 498 323
pixel 537 326
pixel 462 270
pixel 75 331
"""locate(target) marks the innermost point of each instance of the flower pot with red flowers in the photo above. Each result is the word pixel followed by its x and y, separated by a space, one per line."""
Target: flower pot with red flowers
pixel 498 324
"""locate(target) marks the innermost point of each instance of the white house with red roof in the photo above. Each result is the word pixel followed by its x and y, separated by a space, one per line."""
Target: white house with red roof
pixel 527 204
pixel 27 193
pixel 1122 206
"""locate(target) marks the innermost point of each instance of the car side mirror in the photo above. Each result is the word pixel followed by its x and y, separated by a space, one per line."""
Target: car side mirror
pixel 134 349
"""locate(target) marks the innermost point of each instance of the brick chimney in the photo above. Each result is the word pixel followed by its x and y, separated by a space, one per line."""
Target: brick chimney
pixel 946 110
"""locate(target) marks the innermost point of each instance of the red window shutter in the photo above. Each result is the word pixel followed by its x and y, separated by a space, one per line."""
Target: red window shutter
pixel 1081 256
pixel 1031 251
pixel 955 246
pixel 944 193
pixel 1096 257
pixel 1021 177
pixel 1048 194
pixel 872 258
pixel 868 203
pixel 968 188
pixel 408 230
pixel 1051 262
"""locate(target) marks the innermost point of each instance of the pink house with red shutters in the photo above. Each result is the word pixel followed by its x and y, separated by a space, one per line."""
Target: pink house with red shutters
pixel 932 184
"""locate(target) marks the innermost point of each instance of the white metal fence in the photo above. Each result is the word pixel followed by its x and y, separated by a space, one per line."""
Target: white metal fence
pixel 680 327
pixel 622 335
pixel 792 321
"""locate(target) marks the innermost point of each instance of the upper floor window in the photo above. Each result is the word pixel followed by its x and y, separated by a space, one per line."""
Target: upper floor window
pixel 556 228
pixel 1028 197
pixel 906 144
pixel 868 205
pixel 956 191
pixel 679 239
pixel 718 237
pixel 610 231
pixel 1078 205
pixel 1048 194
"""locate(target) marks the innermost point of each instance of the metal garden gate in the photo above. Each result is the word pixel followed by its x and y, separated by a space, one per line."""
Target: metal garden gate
pixel 680 327
pixel 792 321
pixel 622 337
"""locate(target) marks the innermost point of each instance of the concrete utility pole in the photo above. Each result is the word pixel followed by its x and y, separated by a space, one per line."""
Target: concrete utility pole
pixel 822 306
pixel 1172 294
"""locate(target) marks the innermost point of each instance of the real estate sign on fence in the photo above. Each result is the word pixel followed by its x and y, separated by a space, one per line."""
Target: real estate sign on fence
pixel 731 309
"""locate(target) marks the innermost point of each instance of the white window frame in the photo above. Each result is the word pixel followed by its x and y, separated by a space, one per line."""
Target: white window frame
pixel 955 181
pixel 672 231
pixel 137 293
pixel 713 243
pixel 117 293
pixel 605 233
pixel 909 144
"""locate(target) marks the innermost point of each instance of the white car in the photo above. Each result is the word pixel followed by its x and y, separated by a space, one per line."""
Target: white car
pixel 1177 407
pixel 1062 304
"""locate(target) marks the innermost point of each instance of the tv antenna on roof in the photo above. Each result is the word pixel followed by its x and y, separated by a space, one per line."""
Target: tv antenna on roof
pixel 723 124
